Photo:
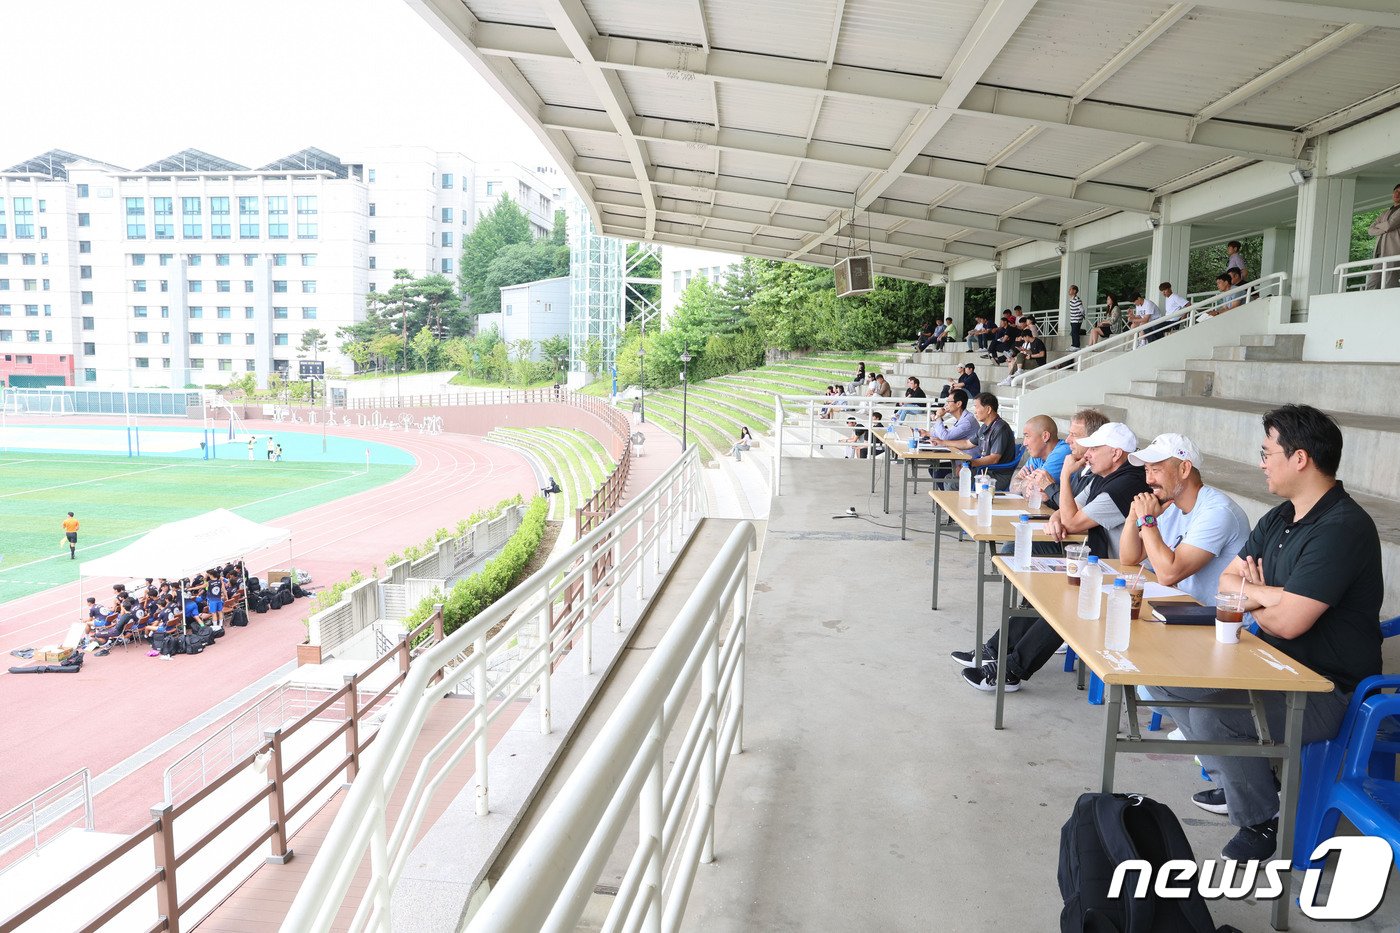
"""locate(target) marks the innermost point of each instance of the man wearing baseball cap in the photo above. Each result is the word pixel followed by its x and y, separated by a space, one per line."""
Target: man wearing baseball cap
pixel 1186 532
pixel 1098 511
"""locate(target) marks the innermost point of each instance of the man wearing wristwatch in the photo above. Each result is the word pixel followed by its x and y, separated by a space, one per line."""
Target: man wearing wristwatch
pixel 1184 531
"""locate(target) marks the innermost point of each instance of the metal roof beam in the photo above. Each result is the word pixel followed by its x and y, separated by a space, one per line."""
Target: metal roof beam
pixel 1025 182
pixel 1383 13
pixel 1139 42
pixel 886 87
pixel 575 27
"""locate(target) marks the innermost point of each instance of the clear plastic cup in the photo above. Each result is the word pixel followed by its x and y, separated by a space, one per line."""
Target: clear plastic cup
pixel 1075 556
pixel 1229 616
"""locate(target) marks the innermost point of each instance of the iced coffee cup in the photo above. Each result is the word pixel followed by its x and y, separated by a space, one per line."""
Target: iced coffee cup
pixel 1229 616
pixel 1075 556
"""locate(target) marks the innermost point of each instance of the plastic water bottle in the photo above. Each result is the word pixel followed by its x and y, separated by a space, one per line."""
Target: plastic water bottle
pixel 1021 555
pixel 984 505
pixel 1090 589
pixel 1118 627
pixel 965 482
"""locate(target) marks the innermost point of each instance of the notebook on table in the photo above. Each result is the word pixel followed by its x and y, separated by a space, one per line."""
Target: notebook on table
pixel 1184 614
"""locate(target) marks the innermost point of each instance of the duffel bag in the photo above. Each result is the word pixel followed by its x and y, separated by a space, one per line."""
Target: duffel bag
pixel 238 617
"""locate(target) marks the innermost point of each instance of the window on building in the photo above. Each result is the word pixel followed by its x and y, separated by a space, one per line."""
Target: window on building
pixel 196 362
pixel 31 285
pixel 447 215
pixel 141 336
pixel 85 297
pixel 308 314
pixel 4 310
pixel 194 260
pixel 196 311
pixel 138 285
pixel 165 311
pixel 32 336
pixel 85 220
pixel 372 209
pixel 277 217
pixel 250 366
pixel 279 314
pixel 85 272
pixel 192 213
pixel 219 228
pixel 143 362
pixel 280 340
pixel 308 286
pixel 195 286
pixel 247 285
pixel 447 267
pixel 225 339
pixel 165 285
pixel 196 338
pixel 372 263
pixel 84 246
pixel 31 310
pixel 138 259
pixel 447 180
pixel 89 323
pixel 89 375
pixel 89 349
pixel 491 188
pixel 165 336
pixel 165 223
pixel 248 339
pixel 135 218
pixel 166 258
pixel 446 238
pixel 279 285
pixel 225 366
pixel 224 313
pixel 7 335
pixel 279 259
pixel 371 239
pixel 371 176
pixel 165 362
pixel 28 259
pixel 139 311
pixel 308 259
pixel 248 227
pixel 221 259
pixel 222 285
pixel 249 258
pixel 248 313
pixel 82 191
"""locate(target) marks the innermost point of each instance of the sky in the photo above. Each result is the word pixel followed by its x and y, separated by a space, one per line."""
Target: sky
pixel 131 81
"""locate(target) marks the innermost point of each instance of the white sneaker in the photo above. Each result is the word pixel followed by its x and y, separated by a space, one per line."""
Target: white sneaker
pixel 1176 735
pixel 1062 649
pixel 1005 382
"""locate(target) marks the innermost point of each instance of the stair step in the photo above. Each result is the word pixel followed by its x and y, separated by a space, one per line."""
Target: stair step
pixel 1156 389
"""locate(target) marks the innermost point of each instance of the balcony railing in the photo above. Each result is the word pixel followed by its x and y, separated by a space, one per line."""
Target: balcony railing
pixel 1368 274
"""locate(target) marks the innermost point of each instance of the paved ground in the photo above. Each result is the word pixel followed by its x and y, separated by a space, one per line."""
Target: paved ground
pixel 120 704
pixel 873 793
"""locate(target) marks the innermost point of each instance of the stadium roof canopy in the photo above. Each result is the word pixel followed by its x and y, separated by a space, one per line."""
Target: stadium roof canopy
pixel 952 130
pixel 192 160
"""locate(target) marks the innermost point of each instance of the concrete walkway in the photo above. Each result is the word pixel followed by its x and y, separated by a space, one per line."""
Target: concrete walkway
pixel 873 793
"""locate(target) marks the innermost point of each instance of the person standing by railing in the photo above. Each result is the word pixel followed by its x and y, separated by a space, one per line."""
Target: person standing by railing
pixel 1076 317
pixel 1386 230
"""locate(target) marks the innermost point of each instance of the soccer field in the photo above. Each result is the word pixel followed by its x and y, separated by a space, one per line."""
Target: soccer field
pixel 119 499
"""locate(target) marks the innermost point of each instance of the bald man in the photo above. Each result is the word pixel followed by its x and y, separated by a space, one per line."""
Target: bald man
pixel 1045 450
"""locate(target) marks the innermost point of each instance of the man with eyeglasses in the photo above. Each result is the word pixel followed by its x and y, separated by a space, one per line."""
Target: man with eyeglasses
pixel 1310 573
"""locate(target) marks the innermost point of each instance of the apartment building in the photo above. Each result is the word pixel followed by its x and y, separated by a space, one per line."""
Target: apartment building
pixel 533 191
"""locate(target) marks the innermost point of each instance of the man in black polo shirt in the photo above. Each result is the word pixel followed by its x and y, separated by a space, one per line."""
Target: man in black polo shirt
pixel 1311 575
pixel 996 442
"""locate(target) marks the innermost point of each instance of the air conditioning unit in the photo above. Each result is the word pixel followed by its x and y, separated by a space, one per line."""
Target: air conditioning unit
pixel 853 276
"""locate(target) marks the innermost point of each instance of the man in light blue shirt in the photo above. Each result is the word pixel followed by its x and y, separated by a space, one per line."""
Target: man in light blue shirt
pixel 1045 449
pixel 1187 533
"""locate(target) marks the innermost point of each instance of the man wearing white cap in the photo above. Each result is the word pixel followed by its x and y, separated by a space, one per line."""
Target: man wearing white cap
pixel 1186 532
pixel 1098 511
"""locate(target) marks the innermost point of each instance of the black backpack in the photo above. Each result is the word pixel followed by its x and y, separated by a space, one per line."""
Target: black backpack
pixel 257 602
pixel 193 644
pixel 285 597
pixel 1105 830
pixel 238 618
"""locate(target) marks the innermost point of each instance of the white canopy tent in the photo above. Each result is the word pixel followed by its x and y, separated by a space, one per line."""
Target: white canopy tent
pixel 185 548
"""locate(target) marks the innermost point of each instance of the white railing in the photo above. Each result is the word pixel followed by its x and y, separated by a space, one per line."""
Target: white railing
pixel 561 603
pixel 26 827
pixel 550 880
pixel 1355 276
pixel 1192 314
pixel 821 415
pixel 1048 321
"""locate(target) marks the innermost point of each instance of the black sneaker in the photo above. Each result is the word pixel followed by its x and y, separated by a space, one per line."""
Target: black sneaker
pixel 1253 843
pixel 965 657
pixel 1211 801
pixel 984 678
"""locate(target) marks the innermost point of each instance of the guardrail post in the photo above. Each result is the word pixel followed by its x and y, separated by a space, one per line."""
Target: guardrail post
pixel 277 801
pixel 739 628
pixel 709 696
pixel 546 661
pixel 167 897
pixel 651 821
pixel 656 528
pixel 588 575
pixel 617 579
pixel 483 788
pixel 352 733
pixel 641 525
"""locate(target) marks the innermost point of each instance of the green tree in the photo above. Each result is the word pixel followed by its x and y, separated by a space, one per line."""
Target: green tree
pixel 386 349
pixel 518 263
pixel 313 341
pixel 425 349
pixel 593 356
pixel 501 226
pixel 437 300
pixel 556 353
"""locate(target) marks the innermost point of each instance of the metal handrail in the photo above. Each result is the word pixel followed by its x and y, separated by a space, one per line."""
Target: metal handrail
pixel 552 877
pixel 28 819
pixel 1352 276
pixel 362 826
pixel 1190 315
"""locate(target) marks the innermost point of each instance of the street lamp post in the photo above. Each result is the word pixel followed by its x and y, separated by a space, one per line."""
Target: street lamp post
pixel 685 392
pixel 642 382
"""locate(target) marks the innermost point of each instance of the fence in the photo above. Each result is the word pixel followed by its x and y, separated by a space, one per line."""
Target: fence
pixel 75 400
pixel 1379 272
pixel 552 877
pixel 631 541
pixel 27 827
pixel 365 603
pixel 351 716
pixel 1048 319
pixel 1265 287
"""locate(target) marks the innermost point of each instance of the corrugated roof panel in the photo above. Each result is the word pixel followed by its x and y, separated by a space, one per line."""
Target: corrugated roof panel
pixel 792 28
pixel 1052 212
pixel 1365 66
pixel 597 146
pixel 559 82
pixel 507 11
pixel 1206 56
pixel 1063 42
pixel 746 165
pixel 1157 166
pixel 682 155
pixel 895 35
pixel 655 95
pixel 917 189
pixel 662 20
pixel 832 177
pixel 985 200
pixel 768 110
pixel 970 139
pixel 986 238
pixel 863 122
pixel 1066 153
pixel 807 211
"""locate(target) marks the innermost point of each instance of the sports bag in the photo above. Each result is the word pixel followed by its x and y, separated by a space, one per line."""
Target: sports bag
pixel 238 617
pixel 257 602
pixel 193 644
pixel 285 598
pixel 1105 830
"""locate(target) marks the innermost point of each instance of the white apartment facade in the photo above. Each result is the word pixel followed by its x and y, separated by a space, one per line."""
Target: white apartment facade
pixel 681 264
pixel 194 270
pixel 532 191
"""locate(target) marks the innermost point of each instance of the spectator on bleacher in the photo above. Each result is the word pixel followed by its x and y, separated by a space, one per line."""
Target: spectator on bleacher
pixel 924 338
pixel 966 379
pixel 859 435
pixel 935 337
pixel 1076 317
pixel 950 332
pixel 1111 323
pixel 1031 355
pixel 977 337
pixel 1312 579
pixel 1144 313
pixel 912 389
pixel 1045 450
pixel 1003 340
pixel 879 387
pixel 1386 230
pixel 859 378
pixel 1085 422
pixel 1171 301
pixel 1098 511
pixel 829 407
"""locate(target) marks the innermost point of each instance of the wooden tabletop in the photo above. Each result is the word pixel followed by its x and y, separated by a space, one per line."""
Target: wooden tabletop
pixel 1003 527
pixel 1158 654
pixel 899 446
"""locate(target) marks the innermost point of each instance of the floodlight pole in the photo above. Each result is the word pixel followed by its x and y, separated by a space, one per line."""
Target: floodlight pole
pixel 642 376
pixel 685 392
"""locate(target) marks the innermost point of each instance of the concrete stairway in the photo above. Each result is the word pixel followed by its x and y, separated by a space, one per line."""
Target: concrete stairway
pixel 1219 403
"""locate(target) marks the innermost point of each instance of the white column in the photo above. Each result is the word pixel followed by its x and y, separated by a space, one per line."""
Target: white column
pixel 1171 247
pixel 1023 297
pixel 954 304
pixel 1323 237
pixel 1074 270
pixel 1091 297
pixel 1278 251
pixel 1008 289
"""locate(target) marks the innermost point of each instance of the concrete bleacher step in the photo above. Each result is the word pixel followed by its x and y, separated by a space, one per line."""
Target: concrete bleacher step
pixel 1232 428
pixel 1263 347
pixel 1329 386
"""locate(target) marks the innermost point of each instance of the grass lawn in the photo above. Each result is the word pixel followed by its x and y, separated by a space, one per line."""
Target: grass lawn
pixel 461 379
pixel 119 499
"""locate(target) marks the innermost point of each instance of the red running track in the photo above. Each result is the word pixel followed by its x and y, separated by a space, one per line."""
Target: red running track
pixel 55 724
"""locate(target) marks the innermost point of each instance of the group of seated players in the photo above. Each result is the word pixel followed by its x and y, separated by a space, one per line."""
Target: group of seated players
pixel 156 608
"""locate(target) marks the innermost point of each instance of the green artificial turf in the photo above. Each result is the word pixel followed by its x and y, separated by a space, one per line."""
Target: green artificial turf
pixel 119 499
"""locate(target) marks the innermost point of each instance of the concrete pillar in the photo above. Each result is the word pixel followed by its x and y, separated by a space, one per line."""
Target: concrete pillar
pixel 1074 270
pixel 1278 251
pixel 1091 297
pixel 1023 297
pixel 954 304
pixel 1323 238
pixel 1171 247
pixel 1008 289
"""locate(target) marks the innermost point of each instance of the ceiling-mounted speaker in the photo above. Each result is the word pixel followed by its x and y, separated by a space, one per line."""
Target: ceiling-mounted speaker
pixel 853 276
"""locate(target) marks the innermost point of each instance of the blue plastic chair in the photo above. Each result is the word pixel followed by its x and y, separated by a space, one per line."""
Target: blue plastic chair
pixel 1096 685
